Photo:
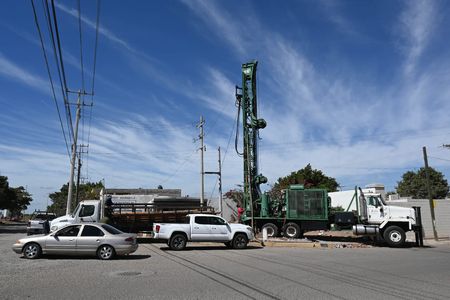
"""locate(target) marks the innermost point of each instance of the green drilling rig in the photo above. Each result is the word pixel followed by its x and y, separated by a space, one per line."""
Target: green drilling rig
pixel 298 209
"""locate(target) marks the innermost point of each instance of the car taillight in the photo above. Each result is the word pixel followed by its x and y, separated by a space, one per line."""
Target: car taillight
pixel 130 239
pixel 157 227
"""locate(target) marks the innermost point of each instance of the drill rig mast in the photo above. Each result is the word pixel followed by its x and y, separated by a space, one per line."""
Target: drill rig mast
pixel 246 101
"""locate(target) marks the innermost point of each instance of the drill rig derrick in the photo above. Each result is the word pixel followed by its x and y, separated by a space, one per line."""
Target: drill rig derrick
pixel 246 100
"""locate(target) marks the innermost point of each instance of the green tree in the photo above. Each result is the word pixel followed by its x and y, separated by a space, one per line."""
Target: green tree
pixel 13 199
pixel 237 195
pixel 413 184
pixel 4 187
pixel 89 190
pixel 309 177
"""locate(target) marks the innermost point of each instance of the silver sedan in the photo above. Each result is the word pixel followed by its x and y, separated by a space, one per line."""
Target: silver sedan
pixel 98 239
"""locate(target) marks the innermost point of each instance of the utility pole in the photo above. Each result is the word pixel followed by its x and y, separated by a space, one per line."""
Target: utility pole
pixel 202 173
pixel 78 180
pixel 430 198
pixel 219 173
pixel 74 155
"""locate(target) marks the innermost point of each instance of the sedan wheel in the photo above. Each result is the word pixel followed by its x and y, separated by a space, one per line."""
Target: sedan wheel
pixel 105 252
pixel 32 251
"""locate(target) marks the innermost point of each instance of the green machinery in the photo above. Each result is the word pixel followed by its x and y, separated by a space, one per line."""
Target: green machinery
pixel 298 209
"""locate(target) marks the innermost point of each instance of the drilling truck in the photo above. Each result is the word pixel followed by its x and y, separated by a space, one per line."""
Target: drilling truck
pixel 298 209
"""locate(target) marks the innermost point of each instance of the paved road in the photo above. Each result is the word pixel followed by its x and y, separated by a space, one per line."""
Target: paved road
pixel 205 272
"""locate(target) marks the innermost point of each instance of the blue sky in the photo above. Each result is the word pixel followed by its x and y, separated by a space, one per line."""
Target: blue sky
pixel 356 88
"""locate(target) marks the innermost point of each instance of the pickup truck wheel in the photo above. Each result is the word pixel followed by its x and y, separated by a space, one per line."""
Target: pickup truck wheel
pixel 106 252
pixel 272 229
pixel 291 231
pixel 178 242
pixel 32 251
pixel 240 241
pixel 394 236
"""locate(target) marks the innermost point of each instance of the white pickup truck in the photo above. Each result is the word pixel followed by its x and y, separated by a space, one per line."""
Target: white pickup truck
pixel 203 228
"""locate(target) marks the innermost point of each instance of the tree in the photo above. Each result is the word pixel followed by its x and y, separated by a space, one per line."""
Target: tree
pixel 413 184
pixel 309 177
pixel 237 195
pixel 89 190
pixel 13 199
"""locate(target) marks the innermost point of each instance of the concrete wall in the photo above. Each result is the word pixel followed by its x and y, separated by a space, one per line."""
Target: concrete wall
pixel 441 210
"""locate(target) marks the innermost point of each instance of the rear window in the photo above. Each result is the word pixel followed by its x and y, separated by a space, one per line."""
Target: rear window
pixel 44 217
pixel 111 229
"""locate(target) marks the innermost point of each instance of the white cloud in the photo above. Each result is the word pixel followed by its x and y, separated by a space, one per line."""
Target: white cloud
pixel 11 70
pixel 346 127
pixel 416 24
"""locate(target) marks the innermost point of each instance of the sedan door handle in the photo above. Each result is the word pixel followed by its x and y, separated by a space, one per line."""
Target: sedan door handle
pixel 195 227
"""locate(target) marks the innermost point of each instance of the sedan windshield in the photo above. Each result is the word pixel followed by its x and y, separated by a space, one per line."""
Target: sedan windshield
pixel 111 229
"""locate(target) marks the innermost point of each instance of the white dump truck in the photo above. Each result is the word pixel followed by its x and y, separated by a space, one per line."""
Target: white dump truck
pixel 376 218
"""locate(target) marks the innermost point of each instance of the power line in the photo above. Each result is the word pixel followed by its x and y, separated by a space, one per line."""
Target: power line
pixel 63 88
pixel 95 47
pixel 81 45
pixel 58 42
pixel 50 76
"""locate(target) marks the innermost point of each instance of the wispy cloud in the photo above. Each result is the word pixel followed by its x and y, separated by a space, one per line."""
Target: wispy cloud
pixel 13 71
pixel 416 24
pixel 104 31
pixel 341 126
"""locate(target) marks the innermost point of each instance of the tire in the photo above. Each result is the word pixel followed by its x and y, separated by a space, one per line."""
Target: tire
pixel 394 236
pixel 32 251
pixel 291 231
pixel 178 242
pixel 240 241
pixel 106 252
pixel 229 244
pixel 272 229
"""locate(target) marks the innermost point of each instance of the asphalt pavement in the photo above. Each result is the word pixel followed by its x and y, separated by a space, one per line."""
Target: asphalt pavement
pixel 215 272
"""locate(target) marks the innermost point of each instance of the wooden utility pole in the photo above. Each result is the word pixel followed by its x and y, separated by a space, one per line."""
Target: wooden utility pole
pixel 430 197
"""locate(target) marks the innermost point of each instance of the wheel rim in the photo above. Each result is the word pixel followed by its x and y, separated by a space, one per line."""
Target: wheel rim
pixel 240 241
pixel 291 231
pixel 106 252
pixel 31 251
pixel 395 236
pixel 270 231
pixel 178 242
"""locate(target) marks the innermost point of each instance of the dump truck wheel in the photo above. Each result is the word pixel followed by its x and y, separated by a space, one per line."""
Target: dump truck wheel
pixel 291 231
pixel 272 229
pixel 394 236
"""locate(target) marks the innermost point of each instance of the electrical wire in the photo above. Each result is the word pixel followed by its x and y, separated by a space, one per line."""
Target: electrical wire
pixel 81 45
pixel 63 88
pixel 50 76
pixel 63 72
